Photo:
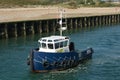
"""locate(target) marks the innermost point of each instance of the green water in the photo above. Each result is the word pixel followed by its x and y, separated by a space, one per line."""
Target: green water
pixel 105 64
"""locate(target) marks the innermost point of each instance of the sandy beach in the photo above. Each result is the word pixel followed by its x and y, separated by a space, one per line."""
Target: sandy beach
pixel 24 14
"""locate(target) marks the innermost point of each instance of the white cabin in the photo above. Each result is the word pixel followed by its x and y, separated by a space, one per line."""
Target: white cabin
pixel 54 44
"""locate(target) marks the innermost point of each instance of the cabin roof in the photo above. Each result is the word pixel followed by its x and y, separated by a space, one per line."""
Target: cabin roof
pixel 53 38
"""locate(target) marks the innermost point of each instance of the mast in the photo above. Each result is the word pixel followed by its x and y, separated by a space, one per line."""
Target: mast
pixel 61 14
pixel 61 22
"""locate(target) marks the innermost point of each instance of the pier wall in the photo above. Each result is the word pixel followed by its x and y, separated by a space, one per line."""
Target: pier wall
pixel 24 28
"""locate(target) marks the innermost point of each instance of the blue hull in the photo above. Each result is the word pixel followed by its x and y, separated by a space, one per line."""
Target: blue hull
pixel 43 62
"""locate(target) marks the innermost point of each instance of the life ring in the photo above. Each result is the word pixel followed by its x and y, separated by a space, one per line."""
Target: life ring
pixel 46 64
pixel 56 64
pixel 63 63
pixel 67 63
pixel 72 62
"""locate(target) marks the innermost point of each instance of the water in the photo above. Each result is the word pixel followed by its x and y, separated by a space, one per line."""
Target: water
pixel 105 64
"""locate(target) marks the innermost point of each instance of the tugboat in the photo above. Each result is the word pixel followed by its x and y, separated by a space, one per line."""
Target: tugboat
pixel 56 53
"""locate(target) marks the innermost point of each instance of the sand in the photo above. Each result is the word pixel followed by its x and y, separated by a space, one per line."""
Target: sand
pixel 25 14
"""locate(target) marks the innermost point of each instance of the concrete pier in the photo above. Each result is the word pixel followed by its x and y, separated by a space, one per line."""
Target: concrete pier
pixel 12 28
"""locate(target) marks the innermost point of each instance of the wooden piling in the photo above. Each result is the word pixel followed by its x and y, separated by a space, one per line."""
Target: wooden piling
pixel 89 23
pixel 54 26
pixel 32 28
pixel 85 22
pixel 118 18
pixel 76 23
pixel 47 26
pixel 40 27
pixel 100 21
pixel 6 31
pixel 15 30
pixel 23 29
pixel 81 22
pixel 71 23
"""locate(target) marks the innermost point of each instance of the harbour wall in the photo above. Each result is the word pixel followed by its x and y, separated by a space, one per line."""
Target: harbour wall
pixel 24 28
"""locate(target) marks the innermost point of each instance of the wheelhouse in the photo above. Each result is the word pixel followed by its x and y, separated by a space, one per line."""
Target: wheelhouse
pixel 54 44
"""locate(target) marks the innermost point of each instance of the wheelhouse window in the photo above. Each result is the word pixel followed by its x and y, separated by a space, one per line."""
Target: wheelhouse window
pixel 56 45
pixel 65 43
pixel 44 40
pixel 61 44
pixel 44 45
pixel 50 46
pixel 40 44
pixel 49 40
